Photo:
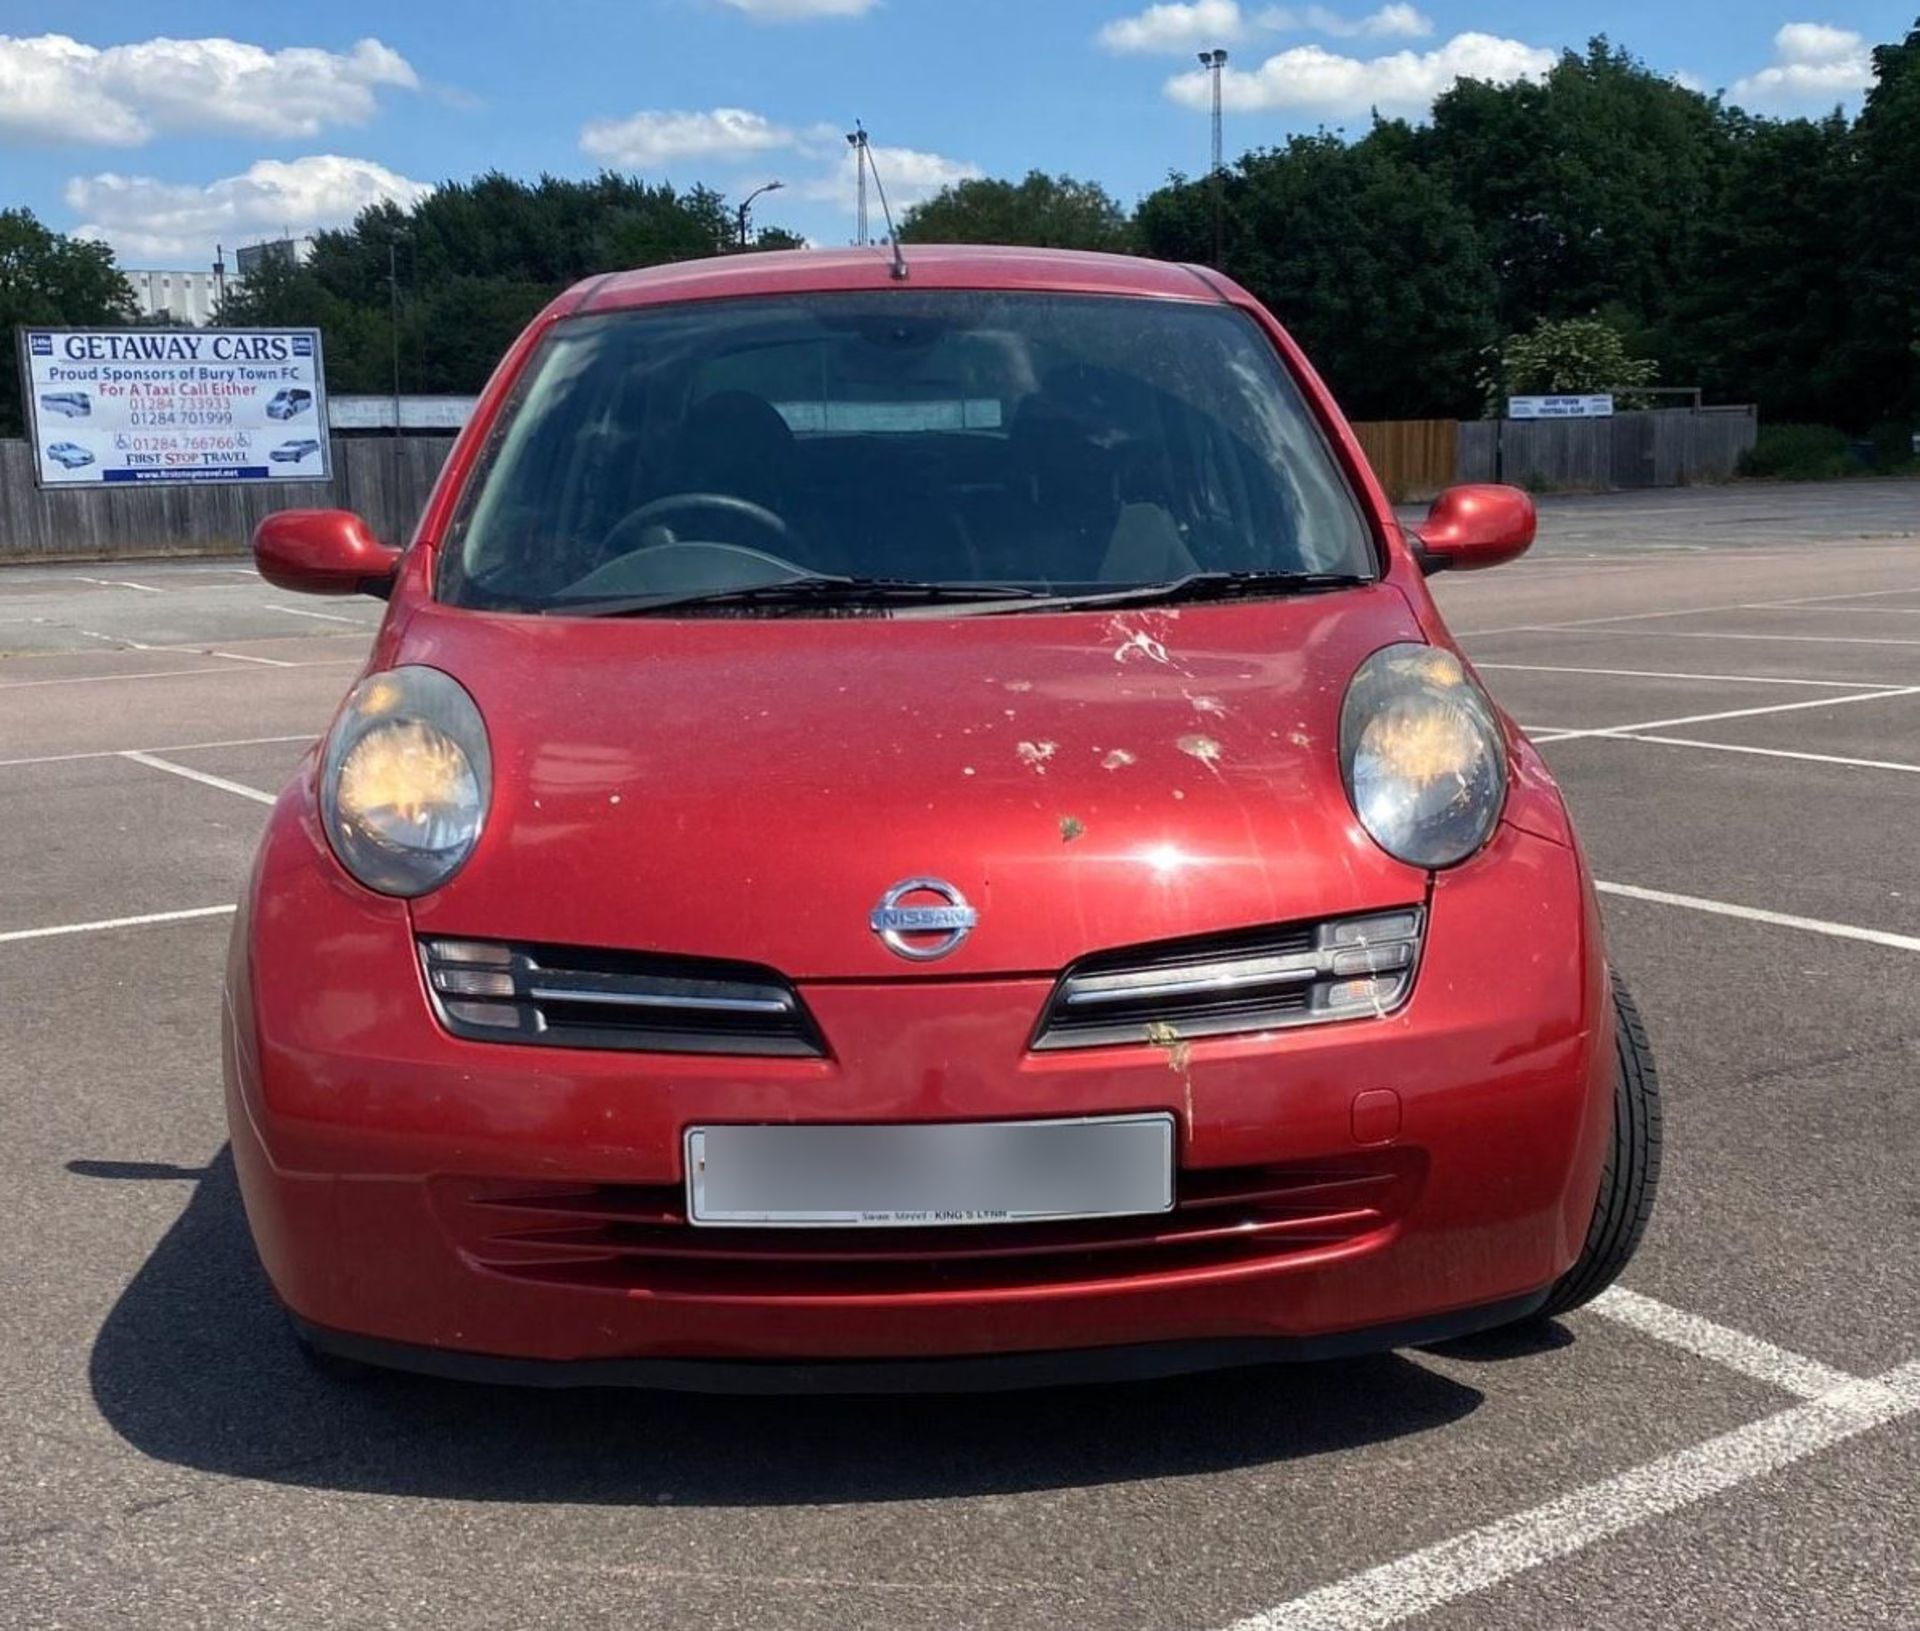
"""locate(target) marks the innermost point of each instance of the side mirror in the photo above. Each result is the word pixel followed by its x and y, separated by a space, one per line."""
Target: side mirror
pixel 323 552
pixel 1475 526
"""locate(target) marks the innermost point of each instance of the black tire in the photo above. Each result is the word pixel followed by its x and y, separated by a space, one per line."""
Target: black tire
pixel 1632 1173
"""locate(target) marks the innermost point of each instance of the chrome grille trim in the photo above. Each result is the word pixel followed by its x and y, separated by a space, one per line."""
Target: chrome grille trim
pixel 1222 985
pixel 1148 985
pixel 579 997
pixel 683 995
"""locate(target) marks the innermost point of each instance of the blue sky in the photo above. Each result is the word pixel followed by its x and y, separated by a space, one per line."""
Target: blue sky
pixel 245 118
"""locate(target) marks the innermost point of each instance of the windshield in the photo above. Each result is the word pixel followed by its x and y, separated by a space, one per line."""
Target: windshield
pixel 1021 443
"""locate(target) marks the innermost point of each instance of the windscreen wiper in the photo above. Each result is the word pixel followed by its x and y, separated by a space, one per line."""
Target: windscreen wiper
pixel 1195 587
pixel 812 589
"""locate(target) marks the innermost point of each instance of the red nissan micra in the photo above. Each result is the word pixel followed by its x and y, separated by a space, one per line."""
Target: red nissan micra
pixel 916 825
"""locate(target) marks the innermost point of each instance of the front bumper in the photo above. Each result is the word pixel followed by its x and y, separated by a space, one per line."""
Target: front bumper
pixel 378 1157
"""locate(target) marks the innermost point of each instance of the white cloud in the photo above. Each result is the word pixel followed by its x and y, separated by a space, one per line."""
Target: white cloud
pixel 651 138
pixel 150 222
pixel 1397 21
pixel 786 11
pixel 55 89
pixel 909 177
pixel 1812 62
pixel 1312 79
pixel 1182 25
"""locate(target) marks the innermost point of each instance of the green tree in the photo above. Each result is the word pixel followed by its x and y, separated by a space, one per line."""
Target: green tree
pixel 1053 212
pixel 1884 360
pixel 1361 253
pixel 1588 187
pixel 46 277
pixel 1569 356
pixel 1765 312
pixel 474 262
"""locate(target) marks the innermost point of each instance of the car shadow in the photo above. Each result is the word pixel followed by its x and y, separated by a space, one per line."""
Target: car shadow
pixel 194 1365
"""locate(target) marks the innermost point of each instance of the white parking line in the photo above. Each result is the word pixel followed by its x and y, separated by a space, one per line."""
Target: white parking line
pixel 203 777
pixel 1758 914
pixel 95 679
pixel 325 617
pixel 1675 611
pixel 1746 747
pixel 1484 1557
pixel 12 935
pixel 165 747
pixel 1727 634
pixel 243 657
pixel 168 674
pixel 1734 713
pixel 1821 600
pixel 1750 1355
pixel 1666 674
pixel 116 583
pixel 1838 611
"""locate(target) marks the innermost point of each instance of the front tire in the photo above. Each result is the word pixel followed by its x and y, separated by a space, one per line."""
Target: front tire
pixel 1632 1172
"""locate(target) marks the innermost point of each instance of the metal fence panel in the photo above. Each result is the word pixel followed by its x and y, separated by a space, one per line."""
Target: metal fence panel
pixel 1669 447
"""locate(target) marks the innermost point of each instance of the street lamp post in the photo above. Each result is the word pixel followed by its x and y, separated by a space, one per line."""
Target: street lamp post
pixel 747 203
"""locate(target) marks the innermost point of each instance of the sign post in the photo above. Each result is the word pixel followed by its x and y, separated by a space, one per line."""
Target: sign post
pixel 113 406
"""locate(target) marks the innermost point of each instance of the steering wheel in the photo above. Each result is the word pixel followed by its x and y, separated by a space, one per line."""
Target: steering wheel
pixel 657 510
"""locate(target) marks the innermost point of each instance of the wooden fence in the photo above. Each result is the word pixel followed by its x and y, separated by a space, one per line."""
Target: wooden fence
pixel 1671 447
pixel 386 479
pixel 1414 458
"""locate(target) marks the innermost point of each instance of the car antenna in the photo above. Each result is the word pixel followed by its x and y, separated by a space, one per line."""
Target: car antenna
pixel 863 154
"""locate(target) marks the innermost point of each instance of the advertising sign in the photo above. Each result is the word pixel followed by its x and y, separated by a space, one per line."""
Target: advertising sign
pixel 1560 407
pixel 108 406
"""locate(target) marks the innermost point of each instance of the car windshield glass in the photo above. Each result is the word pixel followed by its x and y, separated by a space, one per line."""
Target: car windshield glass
pixel 1050 443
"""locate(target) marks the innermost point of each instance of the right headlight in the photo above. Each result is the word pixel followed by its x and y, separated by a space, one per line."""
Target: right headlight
pixel 406 780
pixel 1422 755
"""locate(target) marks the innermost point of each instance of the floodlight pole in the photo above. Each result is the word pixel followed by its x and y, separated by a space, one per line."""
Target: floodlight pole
pixel 1214 62
pixel 393 323
pixel 857 140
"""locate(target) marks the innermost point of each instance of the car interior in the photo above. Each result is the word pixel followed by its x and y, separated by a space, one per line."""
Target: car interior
pixel 945 449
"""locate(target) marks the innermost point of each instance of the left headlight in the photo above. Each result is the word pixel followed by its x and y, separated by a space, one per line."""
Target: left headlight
pixel 1422 755
pixel 406 780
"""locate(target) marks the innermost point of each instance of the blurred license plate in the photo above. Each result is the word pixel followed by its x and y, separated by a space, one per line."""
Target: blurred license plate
pixel 909 1174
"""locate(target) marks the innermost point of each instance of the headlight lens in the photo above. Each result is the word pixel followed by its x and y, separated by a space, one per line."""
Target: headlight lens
pixel 1422 755
pixel 406 780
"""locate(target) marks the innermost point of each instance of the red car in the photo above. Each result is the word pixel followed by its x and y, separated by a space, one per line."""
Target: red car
pixel 918 826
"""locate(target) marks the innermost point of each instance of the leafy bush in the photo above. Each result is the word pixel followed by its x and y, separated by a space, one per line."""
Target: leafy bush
pixel 1799 453
pixel 1575 355
pixel 1893 445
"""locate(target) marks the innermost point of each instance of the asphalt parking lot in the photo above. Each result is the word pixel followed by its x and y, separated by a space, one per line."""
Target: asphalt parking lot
pixel 1727 683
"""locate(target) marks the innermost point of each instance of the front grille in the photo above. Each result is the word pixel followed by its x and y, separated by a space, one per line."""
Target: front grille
pixel 1249 980
pixel 573 997
pixel 635 1237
